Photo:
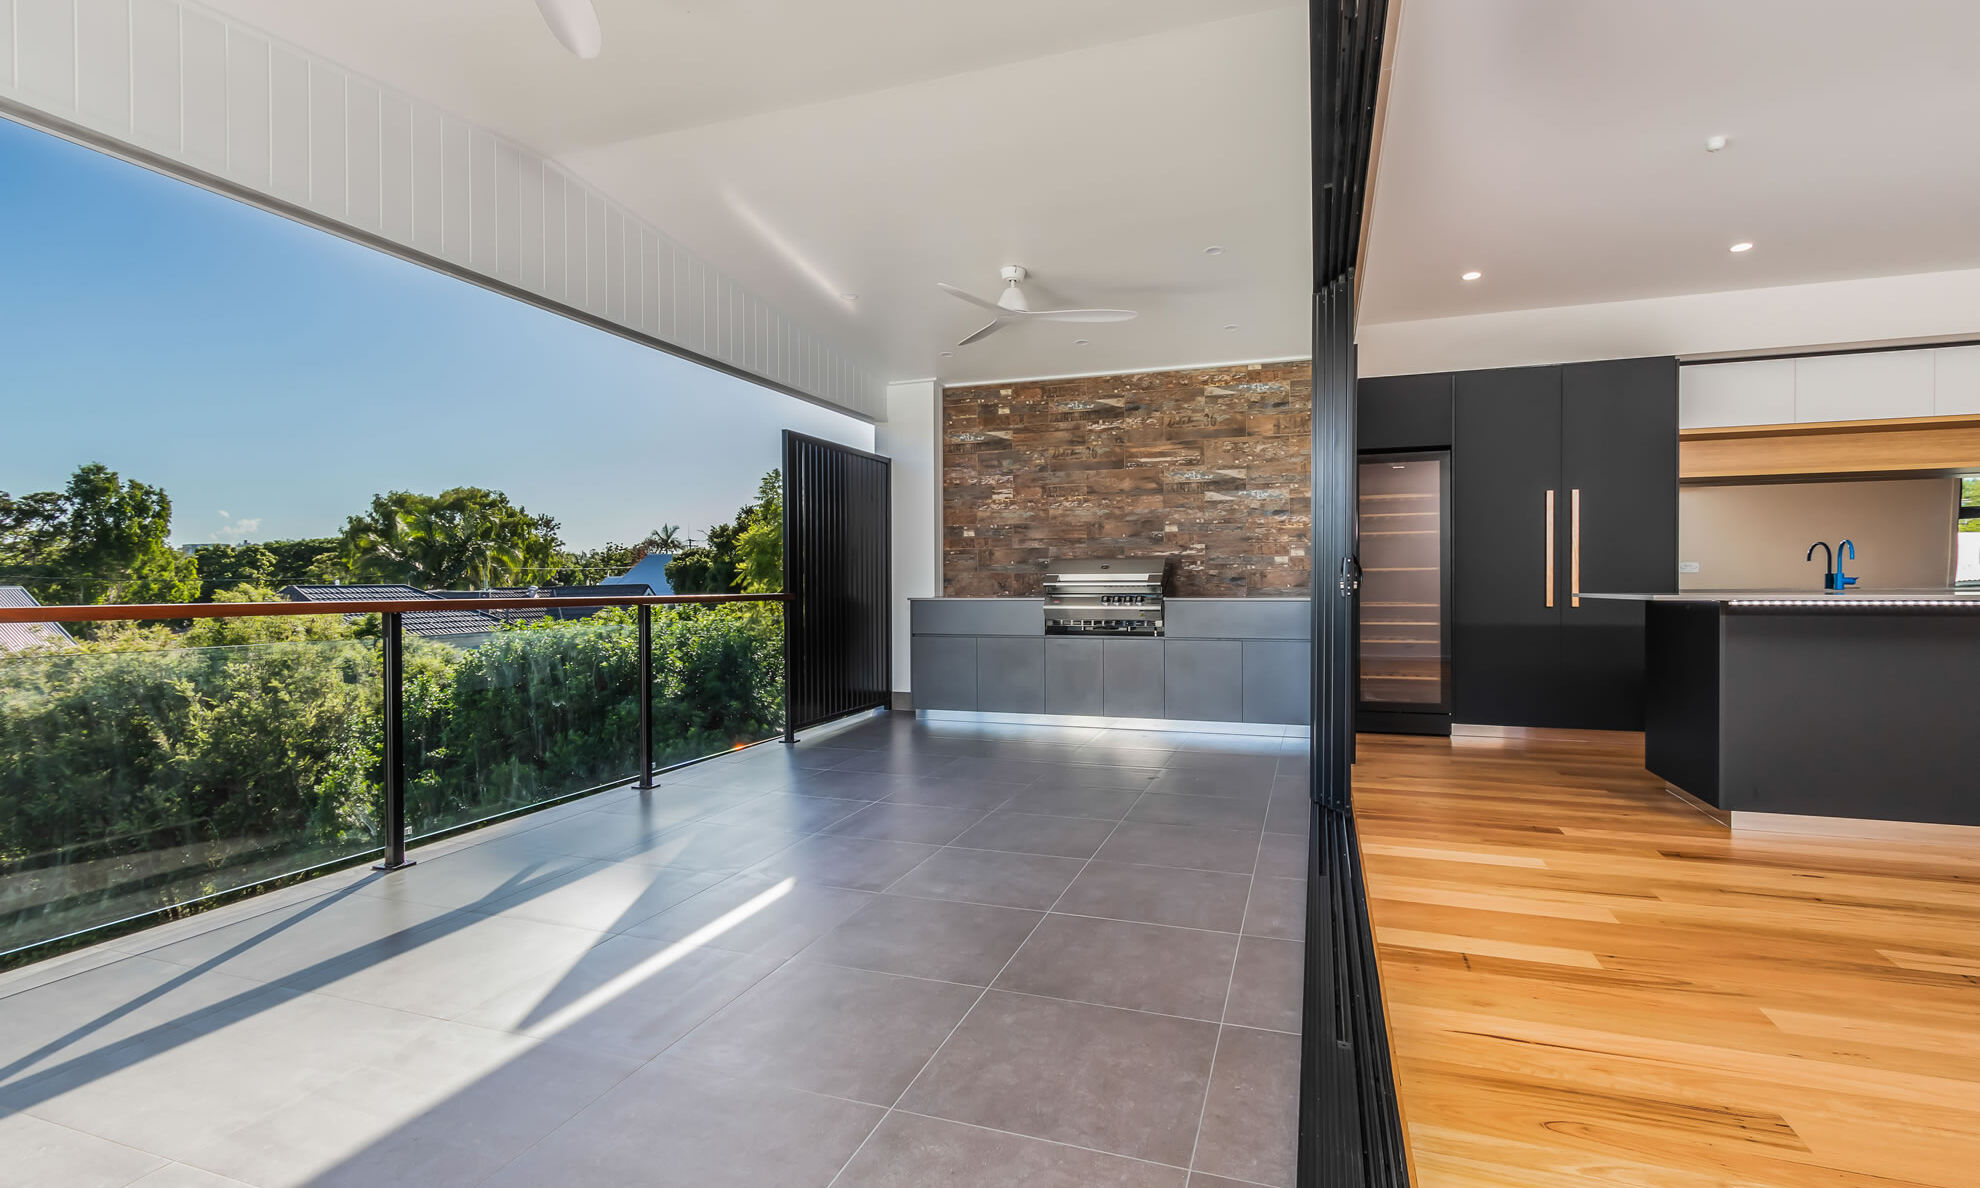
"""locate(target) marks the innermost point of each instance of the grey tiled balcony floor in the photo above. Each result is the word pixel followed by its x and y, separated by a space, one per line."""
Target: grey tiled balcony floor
pixel 898 954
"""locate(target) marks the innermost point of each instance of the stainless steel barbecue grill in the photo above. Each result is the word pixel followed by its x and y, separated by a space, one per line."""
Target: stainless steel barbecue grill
pixel 1119 597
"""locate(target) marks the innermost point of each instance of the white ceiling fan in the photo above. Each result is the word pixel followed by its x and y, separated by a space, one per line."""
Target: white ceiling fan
pixel 1012 306
pixel 575 24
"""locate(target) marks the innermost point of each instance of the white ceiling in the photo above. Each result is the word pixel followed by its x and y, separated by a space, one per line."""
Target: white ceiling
pixel 875 147
pixel 1558 146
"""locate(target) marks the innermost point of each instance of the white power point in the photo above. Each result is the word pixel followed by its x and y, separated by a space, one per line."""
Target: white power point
pixel 1687 567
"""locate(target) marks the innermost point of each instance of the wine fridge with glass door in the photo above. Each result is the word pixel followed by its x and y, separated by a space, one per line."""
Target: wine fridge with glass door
pixel 1404 627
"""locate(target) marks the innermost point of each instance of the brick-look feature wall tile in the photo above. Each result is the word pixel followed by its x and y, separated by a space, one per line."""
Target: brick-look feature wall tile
pixel 1209 467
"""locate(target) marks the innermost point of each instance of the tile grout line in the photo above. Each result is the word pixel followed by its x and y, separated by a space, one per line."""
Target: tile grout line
pixel 964 1017
pixel 1217 1047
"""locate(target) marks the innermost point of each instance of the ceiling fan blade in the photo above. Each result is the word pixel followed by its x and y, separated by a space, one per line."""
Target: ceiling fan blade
pixel 1085 315
pixel 972 298
pixel 575 24
pixel 986 332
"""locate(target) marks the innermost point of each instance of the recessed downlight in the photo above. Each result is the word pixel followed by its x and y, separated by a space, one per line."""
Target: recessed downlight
pixel 1080 341
pixel 1741 246
pixel 1213 250
pixel 948 354
pixel 1474 274
pixel 1231 326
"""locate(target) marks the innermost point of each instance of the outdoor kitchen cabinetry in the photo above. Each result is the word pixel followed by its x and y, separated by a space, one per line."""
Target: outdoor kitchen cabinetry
pixel 1222 660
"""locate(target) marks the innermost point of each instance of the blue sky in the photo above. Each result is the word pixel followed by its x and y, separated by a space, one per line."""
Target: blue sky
pixel 272 377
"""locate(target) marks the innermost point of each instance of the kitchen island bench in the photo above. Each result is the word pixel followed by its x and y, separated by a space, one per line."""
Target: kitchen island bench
pixel 1796 709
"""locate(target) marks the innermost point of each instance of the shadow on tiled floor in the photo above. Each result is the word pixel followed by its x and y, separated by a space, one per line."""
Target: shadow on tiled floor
pixel 897 954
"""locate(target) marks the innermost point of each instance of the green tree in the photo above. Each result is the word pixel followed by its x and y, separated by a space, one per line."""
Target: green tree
pixel 694 571
pixel 466 537
pixel 665 539
pixel 743 555
pixel 101 539
pixel 210 633
pixel 591 566
pixel 229 567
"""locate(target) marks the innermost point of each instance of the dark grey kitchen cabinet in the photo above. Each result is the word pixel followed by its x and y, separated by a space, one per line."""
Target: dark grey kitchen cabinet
pixel 1563 479
pixel 1072 677
pixel 1010 674
pixel 1131 678
pixel 944 672
pixel 1278 681
pixel 1505 587
pixel 1404 412
pixel 1619 442
pixel 1203 680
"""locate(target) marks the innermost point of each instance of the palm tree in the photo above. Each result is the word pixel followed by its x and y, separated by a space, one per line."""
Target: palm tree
pixel 665 539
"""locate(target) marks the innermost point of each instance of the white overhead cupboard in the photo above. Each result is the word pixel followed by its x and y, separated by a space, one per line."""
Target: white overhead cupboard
pixel 1854 386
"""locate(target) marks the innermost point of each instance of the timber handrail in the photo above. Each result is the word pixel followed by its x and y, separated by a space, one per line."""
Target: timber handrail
pixel 114 612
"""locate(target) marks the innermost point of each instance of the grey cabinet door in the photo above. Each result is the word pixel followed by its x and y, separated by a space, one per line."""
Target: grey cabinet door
pixel 944 671
pixel 1072 677
pixel 1203 680
pixel 1131 678
pixel 1010 675
pixel 1278 682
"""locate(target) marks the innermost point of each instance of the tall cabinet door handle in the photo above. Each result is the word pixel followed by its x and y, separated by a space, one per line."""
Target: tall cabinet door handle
pixel 1550 546
pixel 1574 547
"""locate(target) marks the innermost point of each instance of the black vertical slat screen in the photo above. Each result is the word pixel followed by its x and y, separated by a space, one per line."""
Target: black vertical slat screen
pixel 838 635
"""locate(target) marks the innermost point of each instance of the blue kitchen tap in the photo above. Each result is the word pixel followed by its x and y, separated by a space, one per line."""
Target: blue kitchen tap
pixel 1836 580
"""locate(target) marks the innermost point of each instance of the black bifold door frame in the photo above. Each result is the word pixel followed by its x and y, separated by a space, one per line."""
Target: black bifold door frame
pixel 1350 1130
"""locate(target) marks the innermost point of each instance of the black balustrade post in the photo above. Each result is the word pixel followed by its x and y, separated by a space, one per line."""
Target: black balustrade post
pixel 393 811
pixel 790 689
pixel 645 698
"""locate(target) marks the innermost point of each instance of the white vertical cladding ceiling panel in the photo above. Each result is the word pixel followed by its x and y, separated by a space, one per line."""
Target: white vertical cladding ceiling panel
pixel 1863 387
pixel 154 76
pixel 529 223
pixel 46 54
pixel 597 274
pixel 395 168
pixel 574 244
pixel 721 315
pixel 6 44
pixel 649 281
pixel 103 63
pixel 508 215
pixel 1955 381
pixel 248 114
pixel 759 335
pixel 327 115
pixel 1755 393
pixel 363 155
pixel 554 266
pixel 288 123
pixel 692 309
pixel 663 287
pixel 173 78
pixel 615 265
pixel 456 180
pixel 483 252
pixel 426 185
pixel 203 91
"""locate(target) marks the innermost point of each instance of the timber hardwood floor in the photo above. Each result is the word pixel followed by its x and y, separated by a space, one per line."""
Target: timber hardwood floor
pixel 1589 982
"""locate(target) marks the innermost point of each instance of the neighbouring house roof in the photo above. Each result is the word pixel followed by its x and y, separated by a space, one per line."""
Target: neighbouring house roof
pixel 531 616
pixel 25 637
pixel 650 571
pixel 449 625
